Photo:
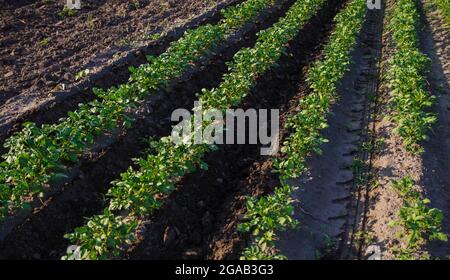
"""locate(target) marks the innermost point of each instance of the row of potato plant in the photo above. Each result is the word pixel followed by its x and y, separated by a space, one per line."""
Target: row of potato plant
pixel 418 221
pixel 37 156
pixel 444 7
pixel 141 190
pixel 406 76
pixel 267 215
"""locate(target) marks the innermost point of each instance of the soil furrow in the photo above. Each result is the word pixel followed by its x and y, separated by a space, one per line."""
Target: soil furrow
pixel 392 162
pixel 108 61
pixel 329 197
pixel 436 159
pixel 199 219
pixel 41 235
pixel 355 238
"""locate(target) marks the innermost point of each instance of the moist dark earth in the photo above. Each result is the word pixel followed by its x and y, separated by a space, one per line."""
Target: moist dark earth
pixel 42 50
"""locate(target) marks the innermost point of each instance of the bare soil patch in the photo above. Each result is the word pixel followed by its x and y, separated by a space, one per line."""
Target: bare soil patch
pixel 41 52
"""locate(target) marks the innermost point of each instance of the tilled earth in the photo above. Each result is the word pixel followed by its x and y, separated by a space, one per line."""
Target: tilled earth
pixel 341 215
pixel 41 50
pixel 83 196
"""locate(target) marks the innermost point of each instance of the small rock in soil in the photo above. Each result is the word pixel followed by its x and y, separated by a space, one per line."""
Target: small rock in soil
pixel 9 74
pixel 67 77
pixel 192 253
pixel 169 235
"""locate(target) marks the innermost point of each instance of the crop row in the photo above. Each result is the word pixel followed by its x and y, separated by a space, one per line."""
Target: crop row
pixel 444 6
pixel 418 221
pixel 406 77
pixel 140 191
pixel 37 156
pixel 267 215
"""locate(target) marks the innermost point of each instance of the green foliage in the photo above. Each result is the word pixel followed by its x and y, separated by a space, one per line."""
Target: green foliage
pixel 406 77
pixel 81 74
pixel 268 215
pixel 36 155
pixel 103 236
pixel 419 222
pixel 255 253
pixel 153 37
pixel 444 7
pixel 44 42
pixel 236 16
pixel 67 12
pixel 265 217
pixel 323 78
pixel 140 191
pixel 249 64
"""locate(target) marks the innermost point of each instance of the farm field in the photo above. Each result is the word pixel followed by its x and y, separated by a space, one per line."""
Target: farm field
pixel 351 161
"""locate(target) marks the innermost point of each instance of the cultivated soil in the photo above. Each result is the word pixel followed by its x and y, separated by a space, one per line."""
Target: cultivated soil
pixel 211 203
pixel 435 43
pixel 41 235
pixel 329 198
pixel 41 52
pixel 345 200
pixel 391 162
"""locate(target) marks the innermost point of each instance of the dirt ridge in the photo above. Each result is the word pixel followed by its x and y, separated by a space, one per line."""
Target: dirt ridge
pixel 328 194
pixel 42 105
pixel 209 203
pixel 82 196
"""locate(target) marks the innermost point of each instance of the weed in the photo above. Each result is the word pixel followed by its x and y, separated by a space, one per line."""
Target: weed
pixel 81 74
pixel 44 42
pixel 67 12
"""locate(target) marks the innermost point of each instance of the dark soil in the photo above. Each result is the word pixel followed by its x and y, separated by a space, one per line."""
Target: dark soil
pixel 41 51
pixel 392 162
pixel 41 235
pixel 199 219
pixel 325 192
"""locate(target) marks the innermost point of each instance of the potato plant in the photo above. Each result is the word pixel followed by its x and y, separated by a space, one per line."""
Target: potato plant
pixel 272 213
pixel 444 7
pixel 37 156
pixel 418 221
pixel 406 76
pixel 140 191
